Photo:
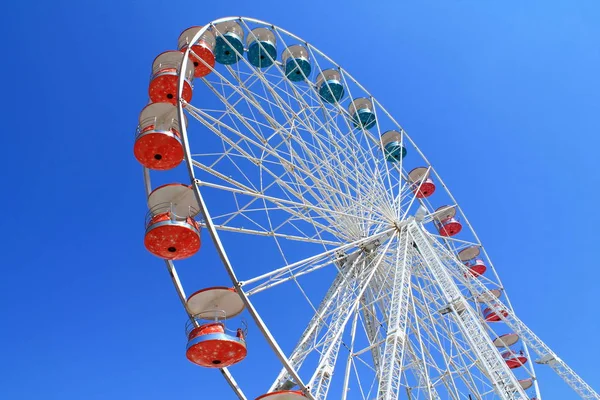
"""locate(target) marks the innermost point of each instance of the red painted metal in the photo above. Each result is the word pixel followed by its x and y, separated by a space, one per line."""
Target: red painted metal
pixel 163 87
pixel 478 268
pixel 491 316
pixel 426 190
pixel 202 52
pixel 283 395
pixel 449 227
pixel 158 150
pixel 172 240
pixel 514 359
pixel 219 350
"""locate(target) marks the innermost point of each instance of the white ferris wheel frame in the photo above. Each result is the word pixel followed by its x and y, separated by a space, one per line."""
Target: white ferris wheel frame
pixel 437 256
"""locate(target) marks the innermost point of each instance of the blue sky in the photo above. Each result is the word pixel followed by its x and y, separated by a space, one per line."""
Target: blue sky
pixel 503 97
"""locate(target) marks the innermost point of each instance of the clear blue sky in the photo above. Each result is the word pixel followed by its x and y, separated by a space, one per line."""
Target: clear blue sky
pixel 503 97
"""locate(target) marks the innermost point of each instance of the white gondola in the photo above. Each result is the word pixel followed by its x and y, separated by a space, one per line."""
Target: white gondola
pixel 215 304
pixel 506 340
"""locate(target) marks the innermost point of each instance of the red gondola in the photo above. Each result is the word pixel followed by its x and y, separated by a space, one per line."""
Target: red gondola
pixel 477 268
pixel 491 316
pixel 171 238
pixel 422 185
pixel 449 227
pixel 171 231
pixel 209 346
pixel 158 143
pixel 446 224
pixel 426 188
pixel 514 359
pixel 203 56
pixel 163 83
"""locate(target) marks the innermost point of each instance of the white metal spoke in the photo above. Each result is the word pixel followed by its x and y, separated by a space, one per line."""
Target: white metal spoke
pixel 339 255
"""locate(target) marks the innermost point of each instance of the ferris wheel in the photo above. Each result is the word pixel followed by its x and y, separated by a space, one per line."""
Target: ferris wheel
pixel 353 264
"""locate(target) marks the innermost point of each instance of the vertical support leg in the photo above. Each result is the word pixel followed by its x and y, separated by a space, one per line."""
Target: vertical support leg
pixel 395 341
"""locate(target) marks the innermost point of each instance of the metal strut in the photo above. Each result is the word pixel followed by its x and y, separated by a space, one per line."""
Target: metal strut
pixel 331 341
pixel 319 383
pixel 375 335
pixel 504 381
pixel 308 339
pixel 336 309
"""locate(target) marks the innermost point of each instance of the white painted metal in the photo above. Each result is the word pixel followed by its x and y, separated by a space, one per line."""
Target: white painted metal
pixel 390 137
pixel 418 174
pixel 339 289
pixel 468 253
pixel 176 197
pixel 487 297
pixel 160 115
pixel 506 340
pixel 207 38
pixel 444 212
pixel 217 303
pixel 395 342
pixel 345 307
pixel 327 75
pixel 294 52
pixel 227 27
pixel 262 35
pixel 282 396
pixel 526 383
pixel 173 60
